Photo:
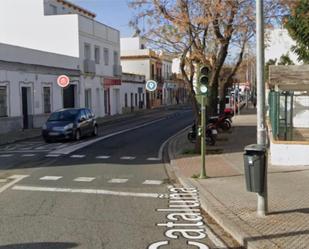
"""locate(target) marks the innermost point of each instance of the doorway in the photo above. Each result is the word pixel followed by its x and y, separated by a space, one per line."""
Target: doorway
pixel 26 104
pixel 69 96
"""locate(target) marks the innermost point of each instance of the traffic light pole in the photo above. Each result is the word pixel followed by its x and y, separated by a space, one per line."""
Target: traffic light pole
pixel 203 137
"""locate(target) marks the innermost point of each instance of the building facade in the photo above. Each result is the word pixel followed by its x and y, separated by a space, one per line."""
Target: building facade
pixel 56 37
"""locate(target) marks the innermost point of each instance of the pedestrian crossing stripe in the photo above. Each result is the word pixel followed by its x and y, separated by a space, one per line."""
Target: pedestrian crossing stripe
pixel 84 179
pixel 50 178
pixel 118 180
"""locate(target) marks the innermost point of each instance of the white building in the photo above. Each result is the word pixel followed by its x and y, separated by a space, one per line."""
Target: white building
pixel 278 43
pixel 133 92
pixel 57 34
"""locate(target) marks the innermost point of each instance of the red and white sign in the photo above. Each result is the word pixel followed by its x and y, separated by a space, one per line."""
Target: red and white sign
pixel 63 81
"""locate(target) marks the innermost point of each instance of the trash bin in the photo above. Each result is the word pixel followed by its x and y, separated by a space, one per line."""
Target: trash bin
pixel 255 162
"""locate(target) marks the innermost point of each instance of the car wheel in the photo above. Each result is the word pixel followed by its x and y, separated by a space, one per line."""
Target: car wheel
pixel 77 135
pixel 95 131
pixel 47 140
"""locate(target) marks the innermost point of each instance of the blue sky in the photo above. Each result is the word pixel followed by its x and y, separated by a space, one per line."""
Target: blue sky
pixel 114 13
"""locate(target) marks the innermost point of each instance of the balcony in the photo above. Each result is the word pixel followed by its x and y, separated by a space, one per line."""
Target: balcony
pixel 117 70
pixel 89 66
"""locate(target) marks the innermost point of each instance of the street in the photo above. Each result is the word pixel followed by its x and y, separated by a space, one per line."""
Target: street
pixel 104 195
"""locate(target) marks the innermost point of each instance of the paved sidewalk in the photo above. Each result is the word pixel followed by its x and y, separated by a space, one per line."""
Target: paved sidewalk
pixel 19 135
pixel 225 198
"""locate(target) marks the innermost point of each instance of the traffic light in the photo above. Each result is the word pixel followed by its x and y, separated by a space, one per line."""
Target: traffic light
pixel 204 79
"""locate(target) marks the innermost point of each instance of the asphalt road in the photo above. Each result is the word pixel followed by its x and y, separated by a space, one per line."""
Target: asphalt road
pixel 103 192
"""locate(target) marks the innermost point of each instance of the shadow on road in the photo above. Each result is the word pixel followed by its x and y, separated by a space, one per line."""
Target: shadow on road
pixel 41 245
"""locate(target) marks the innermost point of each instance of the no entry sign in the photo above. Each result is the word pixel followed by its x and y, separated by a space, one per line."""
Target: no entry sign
pixel 63 81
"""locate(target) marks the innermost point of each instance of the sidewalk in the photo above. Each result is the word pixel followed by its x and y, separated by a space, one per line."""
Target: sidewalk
pixel 225 198
pixel 20 135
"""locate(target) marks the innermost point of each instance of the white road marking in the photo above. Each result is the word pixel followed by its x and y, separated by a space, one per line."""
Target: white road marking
pixel 153 182
pixel 52 155
pixel 3 180
pixel 102 157
pixel 72 148
pixel 6 155
pixel 153 159
pixel 23 151
pixel 85 191
pixel 50 178
pixel 118 180
pixel 84 179
pixel 77 156
pixel 28 155
pixel 127 157
pixel 16 178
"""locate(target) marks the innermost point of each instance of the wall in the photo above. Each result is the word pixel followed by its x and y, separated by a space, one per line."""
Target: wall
pixel 131 88
pixel 301 112
pixel 55 34
pixel 136 66
pixel 131 43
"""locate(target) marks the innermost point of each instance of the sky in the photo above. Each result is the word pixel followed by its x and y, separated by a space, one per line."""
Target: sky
pixel 114 13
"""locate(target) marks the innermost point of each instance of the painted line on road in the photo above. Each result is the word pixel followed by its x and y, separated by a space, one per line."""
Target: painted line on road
pixel 22 151
pixel 3 180
pixel 50 178
pixel 70 149
pixel 6 155
pixel 118 180
pixel 77 156
pixel 86 191
pixel 52 155
pixel 153 159
pixel 84 179
pixel 153 182
pixel 28 155
pixel 16 178
pixel 103 157
pixel 127 157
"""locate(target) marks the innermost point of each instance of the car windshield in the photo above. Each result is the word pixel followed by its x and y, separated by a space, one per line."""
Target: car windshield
pixel 68 115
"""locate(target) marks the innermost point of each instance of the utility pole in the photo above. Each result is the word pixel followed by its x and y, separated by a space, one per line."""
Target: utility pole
pixel 262 205
pixel 203 137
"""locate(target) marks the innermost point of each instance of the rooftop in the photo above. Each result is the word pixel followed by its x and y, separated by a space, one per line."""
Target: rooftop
pixel 76 7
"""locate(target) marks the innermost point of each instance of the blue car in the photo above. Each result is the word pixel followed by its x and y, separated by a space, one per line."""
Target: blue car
pixel 73 123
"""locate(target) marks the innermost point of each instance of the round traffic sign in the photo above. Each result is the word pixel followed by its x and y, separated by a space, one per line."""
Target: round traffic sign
pixel 63 81
pixel 151 85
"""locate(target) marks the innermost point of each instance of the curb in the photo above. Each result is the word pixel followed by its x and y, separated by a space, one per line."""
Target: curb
pixel 220 213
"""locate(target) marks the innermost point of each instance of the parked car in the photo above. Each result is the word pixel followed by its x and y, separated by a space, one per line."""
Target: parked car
pixel 73 123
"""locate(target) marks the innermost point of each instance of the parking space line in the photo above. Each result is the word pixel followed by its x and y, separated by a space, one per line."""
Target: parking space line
pixel 153 159
pixel 28 155
pixel 115 180
pixel 153 182
pixel 52 155
pixel 84 179
pixel 50 178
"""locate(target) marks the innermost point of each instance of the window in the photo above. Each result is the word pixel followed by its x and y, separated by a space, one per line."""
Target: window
pixel 131 99
pixel 106 56
pixel 53 9
pixel 125 100
pixel 115 58
pixel 135 99
pixel 97 54
pixel 87 51
pixel 152 71
pixel 46 99
pixel 88 98
pixel 3 101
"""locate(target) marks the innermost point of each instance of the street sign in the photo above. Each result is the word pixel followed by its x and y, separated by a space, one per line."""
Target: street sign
pixel 63 81
pixel 151 85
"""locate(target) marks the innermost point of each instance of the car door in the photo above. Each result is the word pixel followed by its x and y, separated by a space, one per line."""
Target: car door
pixel 83 123
pixel 89 121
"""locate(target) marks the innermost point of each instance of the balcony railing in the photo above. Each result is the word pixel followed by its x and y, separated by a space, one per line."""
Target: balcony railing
pixel 117 69
pixel 89 66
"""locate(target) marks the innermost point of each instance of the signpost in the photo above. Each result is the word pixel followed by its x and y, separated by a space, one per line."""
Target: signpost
pixel 151 85
pixel 63 81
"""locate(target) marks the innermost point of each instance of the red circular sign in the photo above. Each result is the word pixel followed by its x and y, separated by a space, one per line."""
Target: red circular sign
pixel 63 81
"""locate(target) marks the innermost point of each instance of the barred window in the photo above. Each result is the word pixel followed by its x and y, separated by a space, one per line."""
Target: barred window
pixel 46 98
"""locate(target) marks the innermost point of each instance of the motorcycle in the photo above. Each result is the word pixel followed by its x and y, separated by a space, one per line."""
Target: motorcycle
pixel 223 121
pixel 211 134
